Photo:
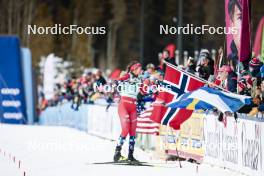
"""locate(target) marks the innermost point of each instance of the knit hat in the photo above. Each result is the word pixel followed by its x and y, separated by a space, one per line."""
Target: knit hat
pixel 150 66
pixel 255 63
pixel 204 54
pixel 135 66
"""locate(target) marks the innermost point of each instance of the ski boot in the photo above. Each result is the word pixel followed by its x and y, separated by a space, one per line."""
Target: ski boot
pixel 131 158
pixel 118 157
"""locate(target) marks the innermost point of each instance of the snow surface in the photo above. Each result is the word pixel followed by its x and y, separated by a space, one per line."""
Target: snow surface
pixel 62 151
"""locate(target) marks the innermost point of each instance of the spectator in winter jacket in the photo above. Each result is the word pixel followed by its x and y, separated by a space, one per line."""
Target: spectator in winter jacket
pixel 150 70
pixel 100 80
pixel 205 66
pixel 166 57
pixel 254 67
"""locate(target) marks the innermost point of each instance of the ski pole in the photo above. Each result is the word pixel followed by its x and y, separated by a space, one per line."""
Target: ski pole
pixel 177 153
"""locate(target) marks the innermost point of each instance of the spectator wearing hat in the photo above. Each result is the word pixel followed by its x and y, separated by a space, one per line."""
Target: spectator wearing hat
pixel 150 70
pixel 254 67
pixel 205 66
pixel 228 78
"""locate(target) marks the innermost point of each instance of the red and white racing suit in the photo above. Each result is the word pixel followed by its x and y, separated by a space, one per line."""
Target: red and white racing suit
pixel 127 106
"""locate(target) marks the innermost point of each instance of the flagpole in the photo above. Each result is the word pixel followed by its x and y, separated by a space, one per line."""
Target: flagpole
pixel 176 141
pixel 194 76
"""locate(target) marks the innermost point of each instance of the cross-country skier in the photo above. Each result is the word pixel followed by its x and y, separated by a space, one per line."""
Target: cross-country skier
pixel 130 87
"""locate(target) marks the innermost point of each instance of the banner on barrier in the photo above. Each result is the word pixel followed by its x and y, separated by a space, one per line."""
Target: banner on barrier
pixel 189 141
pixel 236 146
pixel 251 146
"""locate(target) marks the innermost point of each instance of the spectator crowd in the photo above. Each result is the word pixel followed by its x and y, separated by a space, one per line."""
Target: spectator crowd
pixel 233 76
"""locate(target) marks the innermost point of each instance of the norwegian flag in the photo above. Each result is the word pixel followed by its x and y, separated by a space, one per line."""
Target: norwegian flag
pixel 175 83
pixel 145 125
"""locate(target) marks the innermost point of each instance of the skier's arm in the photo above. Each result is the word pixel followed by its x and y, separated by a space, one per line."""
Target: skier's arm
pixel 124 77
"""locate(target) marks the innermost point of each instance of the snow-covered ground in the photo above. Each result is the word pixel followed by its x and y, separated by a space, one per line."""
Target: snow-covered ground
pixel 62 151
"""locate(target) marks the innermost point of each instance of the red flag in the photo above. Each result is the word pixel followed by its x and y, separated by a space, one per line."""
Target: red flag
pixel 175 83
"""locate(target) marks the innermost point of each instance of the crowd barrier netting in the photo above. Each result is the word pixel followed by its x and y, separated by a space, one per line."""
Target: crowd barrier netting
pixel 233 144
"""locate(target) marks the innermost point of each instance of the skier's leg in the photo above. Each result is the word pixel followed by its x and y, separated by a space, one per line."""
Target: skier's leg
pixel 118 148
pixel 133 122
pixel 131 147
pixel 124 120
pixel 121 141
pixel 132 135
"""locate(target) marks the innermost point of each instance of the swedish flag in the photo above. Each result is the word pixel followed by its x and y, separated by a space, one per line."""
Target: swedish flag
pixel 208 98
